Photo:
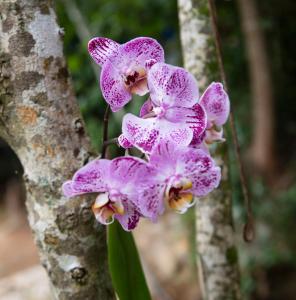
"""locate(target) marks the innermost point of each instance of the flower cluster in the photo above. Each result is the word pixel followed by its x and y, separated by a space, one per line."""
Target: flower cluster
pixel 174 129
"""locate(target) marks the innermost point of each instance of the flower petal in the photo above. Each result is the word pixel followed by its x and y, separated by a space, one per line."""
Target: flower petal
pixel 100 49
pixel 150 201
pixel 172 86
pixel 113 87
pixel 163 157
pixel 146 108
pixel 104 215
pixel 68 190
pixel 215 101
pixel 193 164
pixel 130 218
pixel 179 133
pixel 126 171
pixel 198 166
pixel 139 50
pixel 145 133
pixel 128 59
pixel 124 142
pixel 142 133
pixel 92 178
pixel 195 119
pixel 194 161
pixel 206 182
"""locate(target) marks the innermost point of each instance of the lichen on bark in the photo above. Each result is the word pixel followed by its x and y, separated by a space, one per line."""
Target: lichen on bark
pixel 216 251
pixel 39 118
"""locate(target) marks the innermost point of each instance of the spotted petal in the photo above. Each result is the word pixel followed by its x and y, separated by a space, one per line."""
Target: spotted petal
pixel 130 57
pixel 92 178
pixel 206 182
pixel 142 133
pixel 163 157
pixel 200 168
pixel 131 216
pixel 151 199
pixel 194 161
pixel 139 50
pixel 215 101
pixel 101 49
pixel 145 133
pixel 179 133
pixel 68 191
pixel 113 87
pixel 126 172
pixel 172 86
pixel 124 142
pixel 195 119
pixel 194 164
pixel 146 108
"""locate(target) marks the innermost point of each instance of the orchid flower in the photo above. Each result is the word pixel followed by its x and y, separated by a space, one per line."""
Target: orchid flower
pixel 168 113
pixel 216 104
pixel 124 67
pixel 181 175
pixel 115 183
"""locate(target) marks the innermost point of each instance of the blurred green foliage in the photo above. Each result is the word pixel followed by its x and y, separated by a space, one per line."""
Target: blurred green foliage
pixel 123 20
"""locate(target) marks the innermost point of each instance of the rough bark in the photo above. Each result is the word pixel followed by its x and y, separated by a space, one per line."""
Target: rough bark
pixel 217 254
pixel 40 119
pixel 262 150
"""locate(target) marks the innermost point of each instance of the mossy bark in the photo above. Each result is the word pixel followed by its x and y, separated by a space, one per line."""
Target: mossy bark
pixel 40 119
pixel 216 251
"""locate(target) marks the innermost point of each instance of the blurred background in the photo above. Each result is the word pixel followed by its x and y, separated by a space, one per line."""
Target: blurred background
pixel 259 49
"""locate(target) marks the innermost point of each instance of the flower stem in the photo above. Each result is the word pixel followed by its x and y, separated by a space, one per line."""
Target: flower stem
pixel 111 142
pixel 105 131
pixel 248 233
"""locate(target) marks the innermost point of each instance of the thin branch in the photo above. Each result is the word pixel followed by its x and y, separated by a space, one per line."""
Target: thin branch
pixel 81 27
pixel 113 141
pixel 105 131
pixel 249 232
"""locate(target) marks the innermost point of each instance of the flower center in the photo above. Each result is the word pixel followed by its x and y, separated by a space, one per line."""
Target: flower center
pixel 135 81
pixel 178 196
pixel 159 111
pixel 106 206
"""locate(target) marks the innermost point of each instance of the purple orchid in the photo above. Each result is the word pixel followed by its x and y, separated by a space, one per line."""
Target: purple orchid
pixel 168 113
pixel 181 174
pixel 124 67
pixel 115 184
pixel 215 102
pixel 173 130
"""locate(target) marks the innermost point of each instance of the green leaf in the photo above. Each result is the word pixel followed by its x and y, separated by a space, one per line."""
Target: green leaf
pixel 125 266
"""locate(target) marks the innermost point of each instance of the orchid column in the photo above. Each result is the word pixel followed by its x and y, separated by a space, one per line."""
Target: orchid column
pixel 217 256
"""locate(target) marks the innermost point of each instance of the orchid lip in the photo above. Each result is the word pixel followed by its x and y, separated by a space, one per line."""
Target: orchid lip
pixel 177 195
pixel 135 80
pixel 183 183
pixel 105 216
pixel 101 201
pixel 180 201
pixel 105 208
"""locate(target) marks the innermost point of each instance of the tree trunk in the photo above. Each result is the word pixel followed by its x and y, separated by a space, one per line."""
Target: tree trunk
pixel 262 150
pixel 40 119
pixel 217 254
